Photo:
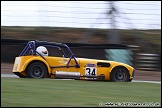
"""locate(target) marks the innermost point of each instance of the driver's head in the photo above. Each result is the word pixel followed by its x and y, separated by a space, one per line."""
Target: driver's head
pixel 42 50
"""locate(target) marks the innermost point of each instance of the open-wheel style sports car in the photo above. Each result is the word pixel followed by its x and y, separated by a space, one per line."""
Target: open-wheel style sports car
pixel 43 59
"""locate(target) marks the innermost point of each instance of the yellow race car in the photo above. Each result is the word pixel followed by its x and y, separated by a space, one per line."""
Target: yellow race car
pixel 42 59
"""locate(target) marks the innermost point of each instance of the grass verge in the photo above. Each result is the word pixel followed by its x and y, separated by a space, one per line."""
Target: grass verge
pixel 23 92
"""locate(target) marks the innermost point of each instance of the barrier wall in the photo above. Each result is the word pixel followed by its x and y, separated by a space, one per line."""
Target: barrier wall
pixel 11 48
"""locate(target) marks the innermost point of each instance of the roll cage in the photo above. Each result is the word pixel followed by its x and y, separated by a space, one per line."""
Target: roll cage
pixel 30 49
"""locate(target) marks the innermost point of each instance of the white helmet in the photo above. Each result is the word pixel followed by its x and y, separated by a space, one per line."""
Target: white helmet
pixel 42 50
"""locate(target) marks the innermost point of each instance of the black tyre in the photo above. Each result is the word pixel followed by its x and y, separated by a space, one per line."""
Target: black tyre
pixel 119 74
pixel 36 70
pixel 130 80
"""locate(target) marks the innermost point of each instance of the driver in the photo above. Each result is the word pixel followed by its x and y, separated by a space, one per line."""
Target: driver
pixel 42 50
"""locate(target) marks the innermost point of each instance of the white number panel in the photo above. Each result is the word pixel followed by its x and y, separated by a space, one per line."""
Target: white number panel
pixel 90 71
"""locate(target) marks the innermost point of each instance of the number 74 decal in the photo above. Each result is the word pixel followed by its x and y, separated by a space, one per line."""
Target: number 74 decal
pixel 91 71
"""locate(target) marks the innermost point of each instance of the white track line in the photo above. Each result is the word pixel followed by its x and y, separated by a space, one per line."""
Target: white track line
pixel 146 81
pixel 14 76
pixel 9 75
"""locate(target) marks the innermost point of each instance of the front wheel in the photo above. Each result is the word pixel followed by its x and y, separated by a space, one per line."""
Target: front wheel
pixel 36 70
pixel 120 74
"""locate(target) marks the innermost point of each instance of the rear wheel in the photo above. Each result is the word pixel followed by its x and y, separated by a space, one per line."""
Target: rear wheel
pixel 120 74
pixel 36 70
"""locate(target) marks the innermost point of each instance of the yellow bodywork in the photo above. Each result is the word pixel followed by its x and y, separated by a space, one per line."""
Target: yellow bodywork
pixel 21 63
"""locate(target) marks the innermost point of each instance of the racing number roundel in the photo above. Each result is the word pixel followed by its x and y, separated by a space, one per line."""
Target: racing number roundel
pixel 91 71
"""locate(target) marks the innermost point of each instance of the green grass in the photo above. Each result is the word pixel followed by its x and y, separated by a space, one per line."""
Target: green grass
pixel 20 92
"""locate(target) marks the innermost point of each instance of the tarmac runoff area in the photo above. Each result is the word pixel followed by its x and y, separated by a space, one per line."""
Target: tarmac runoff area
pixel 14 76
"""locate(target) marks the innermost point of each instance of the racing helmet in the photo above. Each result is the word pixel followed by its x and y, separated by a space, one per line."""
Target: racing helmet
pixel 42 50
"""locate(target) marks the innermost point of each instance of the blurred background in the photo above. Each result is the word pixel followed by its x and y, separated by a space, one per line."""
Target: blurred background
pixel 134 24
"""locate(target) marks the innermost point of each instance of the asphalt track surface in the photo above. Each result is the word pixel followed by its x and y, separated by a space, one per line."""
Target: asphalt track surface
pixel 140 76
pixel 14 76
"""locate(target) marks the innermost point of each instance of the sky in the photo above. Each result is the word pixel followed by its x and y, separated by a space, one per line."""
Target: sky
pixel 82 14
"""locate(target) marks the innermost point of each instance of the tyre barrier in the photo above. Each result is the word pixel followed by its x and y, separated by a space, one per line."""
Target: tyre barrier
pixel 148 62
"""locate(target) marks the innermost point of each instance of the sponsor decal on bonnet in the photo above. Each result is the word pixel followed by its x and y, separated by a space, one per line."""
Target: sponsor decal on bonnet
pixel 90 65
